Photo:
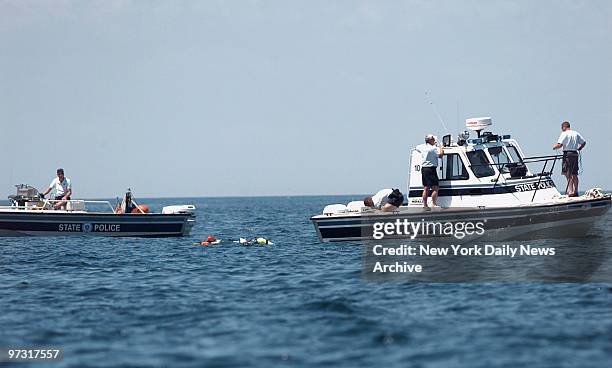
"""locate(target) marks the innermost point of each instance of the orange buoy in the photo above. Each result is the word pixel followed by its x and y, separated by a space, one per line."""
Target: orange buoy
pixel 211 239
pixel 143 207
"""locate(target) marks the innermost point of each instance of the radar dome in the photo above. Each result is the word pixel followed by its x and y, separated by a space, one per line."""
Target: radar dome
pixel 478 124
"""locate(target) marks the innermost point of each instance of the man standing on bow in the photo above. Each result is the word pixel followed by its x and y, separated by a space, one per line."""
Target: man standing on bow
pixel 572 142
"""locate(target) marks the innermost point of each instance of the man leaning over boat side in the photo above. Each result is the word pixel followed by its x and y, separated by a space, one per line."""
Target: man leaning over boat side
pixel 386 200
pixel 572 142
pixel 430 153
pixel 63 189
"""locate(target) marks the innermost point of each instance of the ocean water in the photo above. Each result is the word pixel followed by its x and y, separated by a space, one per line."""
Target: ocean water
pixel 169 303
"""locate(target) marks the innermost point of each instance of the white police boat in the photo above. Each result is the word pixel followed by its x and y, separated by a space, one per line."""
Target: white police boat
pixel 486 180
pixel 30 215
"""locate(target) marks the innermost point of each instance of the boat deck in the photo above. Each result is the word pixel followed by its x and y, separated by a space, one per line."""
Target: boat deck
pixel 416 210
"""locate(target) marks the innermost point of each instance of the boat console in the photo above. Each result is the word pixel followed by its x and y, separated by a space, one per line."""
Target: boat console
pixel 26 196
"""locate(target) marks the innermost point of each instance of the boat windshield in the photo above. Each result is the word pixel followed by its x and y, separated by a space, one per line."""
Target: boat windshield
pixel 500 158
pixel 480 164
pixel 514 154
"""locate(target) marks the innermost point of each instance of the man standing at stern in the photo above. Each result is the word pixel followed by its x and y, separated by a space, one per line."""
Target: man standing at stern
pixel 429 174
pixel 572 142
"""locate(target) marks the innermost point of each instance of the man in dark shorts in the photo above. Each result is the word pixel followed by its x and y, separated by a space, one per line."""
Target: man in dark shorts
pixel 572 142
pixel 429 169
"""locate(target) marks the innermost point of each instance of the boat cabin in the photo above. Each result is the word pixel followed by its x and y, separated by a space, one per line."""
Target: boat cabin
pixel 489 170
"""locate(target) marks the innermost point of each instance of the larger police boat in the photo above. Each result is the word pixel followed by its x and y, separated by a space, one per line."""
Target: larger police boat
pixel 484 179
pixel 30 215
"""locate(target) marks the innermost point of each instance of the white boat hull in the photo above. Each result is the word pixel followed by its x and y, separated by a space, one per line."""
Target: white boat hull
pixel 571 217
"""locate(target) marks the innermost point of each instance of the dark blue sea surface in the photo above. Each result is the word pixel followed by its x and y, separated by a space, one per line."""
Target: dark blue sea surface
pixel 169 303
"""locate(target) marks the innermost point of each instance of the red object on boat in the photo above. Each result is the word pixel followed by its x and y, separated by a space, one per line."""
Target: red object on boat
pixel 142 207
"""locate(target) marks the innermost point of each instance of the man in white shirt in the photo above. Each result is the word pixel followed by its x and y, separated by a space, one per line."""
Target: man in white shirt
pixel 62 187
pixel 429 169
pixel 572 142
pixel 386 200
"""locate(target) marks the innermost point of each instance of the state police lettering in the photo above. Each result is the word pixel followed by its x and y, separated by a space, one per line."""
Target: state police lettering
pixel 532 186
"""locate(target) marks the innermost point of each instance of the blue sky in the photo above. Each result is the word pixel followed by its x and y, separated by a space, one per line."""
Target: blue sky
pixel 215 98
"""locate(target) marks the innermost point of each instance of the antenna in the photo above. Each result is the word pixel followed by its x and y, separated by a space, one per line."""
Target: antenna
pixel 430 100
pixel 457 121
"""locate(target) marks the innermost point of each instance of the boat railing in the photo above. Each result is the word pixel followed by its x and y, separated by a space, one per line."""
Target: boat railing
pixel 528 160
pixel 70 205
pixel 546 160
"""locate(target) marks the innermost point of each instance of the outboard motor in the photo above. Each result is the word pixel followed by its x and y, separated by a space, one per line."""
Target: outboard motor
pixel 180 209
